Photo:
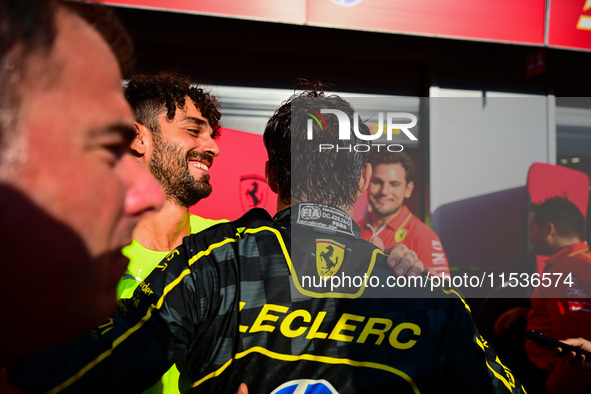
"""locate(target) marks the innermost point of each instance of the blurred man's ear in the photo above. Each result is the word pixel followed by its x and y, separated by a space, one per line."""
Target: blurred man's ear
pixel 550 236
pixel 139 143
pixel 364 179
pixel 409 188
pixel 271 178
pixel 548 229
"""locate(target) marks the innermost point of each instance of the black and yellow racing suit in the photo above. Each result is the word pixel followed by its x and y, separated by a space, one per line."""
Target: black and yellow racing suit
pixel 232 305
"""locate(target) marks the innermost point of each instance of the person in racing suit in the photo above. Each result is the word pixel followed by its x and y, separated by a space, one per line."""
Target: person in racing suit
pixel 255 301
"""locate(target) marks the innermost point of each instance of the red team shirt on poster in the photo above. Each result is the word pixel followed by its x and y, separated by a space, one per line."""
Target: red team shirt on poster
pixel 408 230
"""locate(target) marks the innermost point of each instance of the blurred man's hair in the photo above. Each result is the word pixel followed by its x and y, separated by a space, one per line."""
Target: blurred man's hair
pixel 27 36
pixel 401 158
pixel 151 94
pixel 566 217
pixel 107 22
pixel 303 173
pixel 27 28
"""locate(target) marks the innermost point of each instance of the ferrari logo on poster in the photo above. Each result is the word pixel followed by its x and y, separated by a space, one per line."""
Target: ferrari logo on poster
pixel 400 235
pixel 253 191
pixel 329 256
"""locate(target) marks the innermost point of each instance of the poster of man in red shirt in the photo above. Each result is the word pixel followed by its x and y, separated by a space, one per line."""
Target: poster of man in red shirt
pixel 390 220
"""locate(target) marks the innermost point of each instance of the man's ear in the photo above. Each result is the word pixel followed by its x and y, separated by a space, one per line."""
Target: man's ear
pixel 364 179
pixel 409 188
pixel 549 234
pixel 548 229
pixel 271 178
pixel 139 143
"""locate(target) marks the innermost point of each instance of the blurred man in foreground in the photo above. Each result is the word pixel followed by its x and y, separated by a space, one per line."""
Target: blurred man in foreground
pixel 71 192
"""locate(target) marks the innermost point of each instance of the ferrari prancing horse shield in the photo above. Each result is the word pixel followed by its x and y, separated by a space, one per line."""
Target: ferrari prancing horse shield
pixel 253 191
pixel 329 256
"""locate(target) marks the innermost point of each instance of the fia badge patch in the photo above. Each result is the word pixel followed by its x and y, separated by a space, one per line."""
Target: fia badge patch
pixel 325 217
pixel 329 256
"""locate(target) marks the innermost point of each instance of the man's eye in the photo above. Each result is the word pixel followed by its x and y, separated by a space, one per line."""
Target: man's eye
pixel 116 150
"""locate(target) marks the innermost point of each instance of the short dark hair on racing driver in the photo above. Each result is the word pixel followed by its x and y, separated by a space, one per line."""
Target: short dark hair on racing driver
pixel 150 94
pixel 303 173
pixel 566 217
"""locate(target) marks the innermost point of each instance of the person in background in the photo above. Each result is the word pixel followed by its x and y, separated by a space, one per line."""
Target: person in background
pixel 176 127
pixel 71 192
pixel 390 220
pixel 579 360
pixel 564 310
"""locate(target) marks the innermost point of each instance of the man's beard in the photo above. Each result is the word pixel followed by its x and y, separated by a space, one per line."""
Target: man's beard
pixel 170 166
pixel 381 211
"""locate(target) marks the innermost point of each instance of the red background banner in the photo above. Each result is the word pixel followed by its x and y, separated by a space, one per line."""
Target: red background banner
pixel 521 22
pixel 566 19
pixel 240 164
pixel 501 20
pixel 289 11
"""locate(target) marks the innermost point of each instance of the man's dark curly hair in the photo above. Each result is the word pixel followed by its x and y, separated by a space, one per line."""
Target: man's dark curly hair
pixel 303 173
pixel 566 217
pixel 151 94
